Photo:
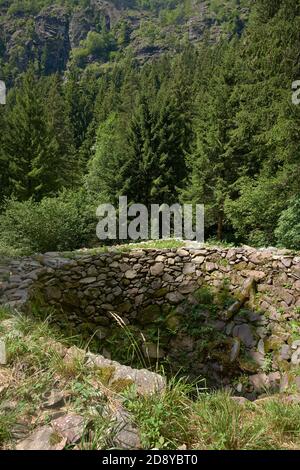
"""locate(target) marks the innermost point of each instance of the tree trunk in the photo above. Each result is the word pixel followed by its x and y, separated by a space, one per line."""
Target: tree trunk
pixel 220 227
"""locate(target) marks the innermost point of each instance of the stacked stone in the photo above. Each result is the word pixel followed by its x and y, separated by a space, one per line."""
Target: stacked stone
pixel 143 285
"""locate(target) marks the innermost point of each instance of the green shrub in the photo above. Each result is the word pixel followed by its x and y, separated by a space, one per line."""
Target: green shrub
pixel 255 214
pixel 66 222
pixel 288 229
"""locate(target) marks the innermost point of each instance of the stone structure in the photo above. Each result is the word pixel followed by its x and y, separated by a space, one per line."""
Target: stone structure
pixel 216 312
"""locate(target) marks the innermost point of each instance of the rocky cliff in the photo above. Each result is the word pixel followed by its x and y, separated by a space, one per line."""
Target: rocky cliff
pixel 51 36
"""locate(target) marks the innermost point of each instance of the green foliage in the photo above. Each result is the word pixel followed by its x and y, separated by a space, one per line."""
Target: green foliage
pixel 211 124
pixel 37 144
pixel 104 178
pixel 163 419
pixel 62 223
pixel 288 229
pixel 221 426
pixel 98 45
pixel 255 213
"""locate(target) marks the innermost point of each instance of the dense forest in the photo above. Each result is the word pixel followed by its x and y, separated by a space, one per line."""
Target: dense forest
pixel 202 119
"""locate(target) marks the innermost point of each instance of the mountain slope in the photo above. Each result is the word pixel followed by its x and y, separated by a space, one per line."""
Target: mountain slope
pixel 97 31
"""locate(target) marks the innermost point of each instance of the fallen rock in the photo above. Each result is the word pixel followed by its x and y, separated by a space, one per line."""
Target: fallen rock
pixel 120 377
pixel 73 355
pixel 296 357
pixel 53 400
pixel 44 438
pixel 70 426
pixel 3 358
pixel 262 382
pixel 125 433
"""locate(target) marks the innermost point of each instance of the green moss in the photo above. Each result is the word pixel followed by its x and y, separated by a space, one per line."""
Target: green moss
pixel 247 364
pixel 223 262
pixel 105 374
pixel 204 296
pixel 121 385
pixel 160 292
pixel 149 314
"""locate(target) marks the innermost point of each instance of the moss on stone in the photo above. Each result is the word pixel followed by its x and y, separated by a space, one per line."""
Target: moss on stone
pixel 121 384
pixel 149 314
pixel 125 307
pixel 204 296
pixel 160 292
pixel 247 364
pixel 104 374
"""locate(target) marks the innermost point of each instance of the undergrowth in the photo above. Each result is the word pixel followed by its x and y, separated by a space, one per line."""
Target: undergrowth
pixel 185 415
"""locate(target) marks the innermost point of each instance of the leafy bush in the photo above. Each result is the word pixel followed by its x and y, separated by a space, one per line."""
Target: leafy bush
pixel 99 45
pixel 288 229
pixel 66 222
pixel 255 214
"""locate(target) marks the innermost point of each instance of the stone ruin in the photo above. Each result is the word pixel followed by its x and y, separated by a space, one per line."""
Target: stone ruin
pixel 222 314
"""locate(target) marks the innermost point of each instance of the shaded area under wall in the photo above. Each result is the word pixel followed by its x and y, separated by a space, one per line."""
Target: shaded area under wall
pixel 210 336
pixel 231 316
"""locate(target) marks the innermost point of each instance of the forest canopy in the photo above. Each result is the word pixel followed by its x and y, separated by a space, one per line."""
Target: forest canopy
pixel 208 122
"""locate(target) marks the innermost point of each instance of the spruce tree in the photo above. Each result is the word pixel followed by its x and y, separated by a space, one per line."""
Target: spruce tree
pixel 59 167
pixel 24 140
pixel 214 163
pixel 37 140
pixel 104 180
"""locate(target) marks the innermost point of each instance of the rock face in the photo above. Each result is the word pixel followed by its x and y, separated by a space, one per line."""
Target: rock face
pixel 52 31
pixel 49 36
pixel 165 290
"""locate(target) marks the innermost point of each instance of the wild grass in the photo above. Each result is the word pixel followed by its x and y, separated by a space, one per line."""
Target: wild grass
pixel 164 420
pixel 134 344
pixel 184 415
pixel 127 247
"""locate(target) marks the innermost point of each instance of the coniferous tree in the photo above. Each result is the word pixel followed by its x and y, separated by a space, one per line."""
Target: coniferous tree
pixel 140 168
pixel 61 168
pixel 24 140
pixel 37 140
pixel 267 123
pixel 4 160
pixel 214 164
pixel 104 180
pixel 173 138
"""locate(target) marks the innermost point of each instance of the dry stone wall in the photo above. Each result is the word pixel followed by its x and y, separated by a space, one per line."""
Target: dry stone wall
pixel 215 312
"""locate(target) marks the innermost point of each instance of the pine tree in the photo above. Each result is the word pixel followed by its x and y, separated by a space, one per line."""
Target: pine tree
pixel 80 95
pixel 267 123
pixel 37 140
pixel 104 179
pixel 140 167
pixel 173 137
pixel 4 160
pixel 23 143
pixel 59 168
pixel 214 164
